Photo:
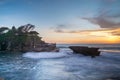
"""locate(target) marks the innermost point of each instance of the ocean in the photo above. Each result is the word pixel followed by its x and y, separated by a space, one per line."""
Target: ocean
pixel 63 65
pixel 102 47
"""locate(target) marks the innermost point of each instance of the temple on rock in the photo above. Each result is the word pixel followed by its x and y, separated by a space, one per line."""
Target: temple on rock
pixel 23 39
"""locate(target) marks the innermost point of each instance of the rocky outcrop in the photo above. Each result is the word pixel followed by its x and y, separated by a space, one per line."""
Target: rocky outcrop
pixel 85 50
pixel 23 39
pixel 46 48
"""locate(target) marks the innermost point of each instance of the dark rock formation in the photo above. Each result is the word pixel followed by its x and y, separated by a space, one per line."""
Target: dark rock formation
pixel 46 48
pixel 85 50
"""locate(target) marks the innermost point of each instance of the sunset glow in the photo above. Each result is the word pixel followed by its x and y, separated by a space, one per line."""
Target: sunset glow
pixel 86 21
pixel 84 37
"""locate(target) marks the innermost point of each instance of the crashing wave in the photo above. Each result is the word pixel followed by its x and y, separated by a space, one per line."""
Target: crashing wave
pixel 37 55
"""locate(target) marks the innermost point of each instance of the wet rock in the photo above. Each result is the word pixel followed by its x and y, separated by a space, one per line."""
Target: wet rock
pixel 85 50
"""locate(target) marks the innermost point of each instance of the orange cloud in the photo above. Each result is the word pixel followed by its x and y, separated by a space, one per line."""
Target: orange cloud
pixel 85 36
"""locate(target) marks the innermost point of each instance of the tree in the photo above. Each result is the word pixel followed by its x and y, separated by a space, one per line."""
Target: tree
pixel 3 42
pixel 25 28
pixel 19 39
pixel 2 29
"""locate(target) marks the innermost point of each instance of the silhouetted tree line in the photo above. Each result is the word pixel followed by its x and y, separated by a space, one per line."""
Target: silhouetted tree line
pixel 18 39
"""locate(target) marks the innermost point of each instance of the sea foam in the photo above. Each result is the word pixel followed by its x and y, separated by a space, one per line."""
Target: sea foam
pixel 38 55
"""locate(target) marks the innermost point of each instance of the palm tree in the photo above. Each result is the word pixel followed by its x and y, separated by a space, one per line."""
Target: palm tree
pixel 11 38
pixel 25 28
pixel 23 34
pixel 18 38
pixel 3 43
pixel 2 29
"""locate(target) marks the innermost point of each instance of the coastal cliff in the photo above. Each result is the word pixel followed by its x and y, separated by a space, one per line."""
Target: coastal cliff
pixel 23 39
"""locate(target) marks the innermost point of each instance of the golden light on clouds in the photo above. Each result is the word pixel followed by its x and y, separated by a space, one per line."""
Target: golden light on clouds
pixel 113 39
pixel 108 36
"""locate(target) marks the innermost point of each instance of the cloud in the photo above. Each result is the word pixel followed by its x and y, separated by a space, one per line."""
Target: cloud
pixel 104 22
pixel 72 26
pixel 59 31
pixel 65 28
pixel 82 31
pixel 108 15
pixel 116 32
pixel 97 32
pixel 61 27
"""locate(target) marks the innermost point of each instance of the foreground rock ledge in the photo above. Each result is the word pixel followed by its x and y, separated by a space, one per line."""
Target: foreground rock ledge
pixel 85 50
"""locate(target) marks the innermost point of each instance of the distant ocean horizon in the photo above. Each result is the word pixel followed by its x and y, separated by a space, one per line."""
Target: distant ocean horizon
pixel 89 45
pixel 102 47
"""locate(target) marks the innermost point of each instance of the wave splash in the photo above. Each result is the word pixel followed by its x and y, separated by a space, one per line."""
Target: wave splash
pixel 38 55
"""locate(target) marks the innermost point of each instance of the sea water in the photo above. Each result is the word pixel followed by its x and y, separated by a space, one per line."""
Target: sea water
pixel 63 65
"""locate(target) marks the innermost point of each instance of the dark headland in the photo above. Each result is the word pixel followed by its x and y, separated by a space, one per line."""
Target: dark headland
pixel 23 39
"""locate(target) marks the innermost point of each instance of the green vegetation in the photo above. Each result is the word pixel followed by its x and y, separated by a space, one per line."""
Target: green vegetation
pixel 22 38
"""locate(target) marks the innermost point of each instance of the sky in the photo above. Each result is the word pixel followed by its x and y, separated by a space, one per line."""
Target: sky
pixel 66 21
